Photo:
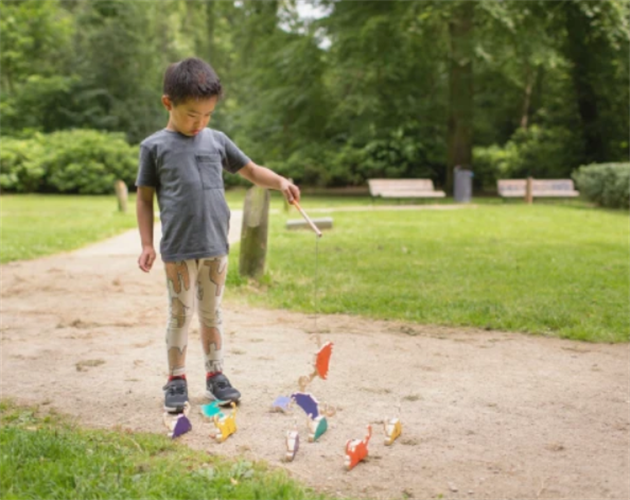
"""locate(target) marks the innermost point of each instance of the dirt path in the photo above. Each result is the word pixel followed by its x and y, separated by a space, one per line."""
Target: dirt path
pixel 489 415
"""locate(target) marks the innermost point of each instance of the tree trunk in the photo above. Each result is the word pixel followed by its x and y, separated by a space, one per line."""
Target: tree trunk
pixel 580 51
pixel 460 120
pixel 527 99
pixel 254 233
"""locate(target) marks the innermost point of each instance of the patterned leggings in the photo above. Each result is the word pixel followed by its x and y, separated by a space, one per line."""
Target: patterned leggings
pixel 203 280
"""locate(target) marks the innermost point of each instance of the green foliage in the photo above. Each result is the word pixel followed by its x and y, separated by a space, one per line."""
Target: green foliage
pixel 36 61
pixel 493 163
pixel 282 98
pixel 363 91
pixel 85 64
pixel 608 184
pixel 399 155
pixel 538 152
pixel 21 169
pixel 88 161
pixel 119 66
pixel 69 161
pixel 35 38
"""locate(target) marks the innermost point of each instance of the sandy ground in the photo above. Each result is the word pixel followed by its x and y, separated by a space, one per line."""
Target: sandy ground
pixel 485 414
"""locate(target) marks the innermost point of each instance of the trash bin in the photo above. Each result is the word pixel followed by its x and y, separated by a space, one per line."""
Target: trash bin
pixel 462 185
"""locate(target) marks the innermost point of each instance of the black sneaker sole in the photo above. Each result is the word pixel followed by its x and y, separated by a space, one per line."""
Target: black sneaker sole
pixel 222 402
pixel 174 409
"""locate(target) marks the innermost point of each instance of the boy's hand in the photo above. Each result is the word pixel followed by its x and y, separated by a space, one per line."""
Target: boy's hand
pixel 146 259
pixel 290 191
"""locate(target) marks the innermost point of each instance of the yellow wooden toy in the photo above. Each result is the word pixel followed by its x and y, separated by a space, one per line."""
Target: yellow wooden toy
pixel 226 425
pixel 393 429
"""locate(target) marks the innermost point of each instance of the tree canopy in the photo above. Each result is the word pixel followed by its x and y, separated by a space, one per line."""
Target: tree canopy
pixel 368 89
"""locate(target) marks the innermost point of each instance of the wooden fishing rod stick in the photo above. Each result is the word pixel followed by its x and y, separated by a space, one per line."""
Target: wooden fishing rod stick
pixel 307 219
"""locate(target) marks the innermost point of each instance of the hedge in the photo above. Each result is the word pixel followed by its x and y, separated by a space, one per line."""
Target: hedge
pixel 68 161
pixel 607 184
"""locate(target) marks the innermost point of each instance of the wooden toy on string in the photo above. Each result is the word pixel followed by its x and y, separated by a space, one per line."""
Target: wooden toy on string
pixel 307 402
pixel 212 409
pixel 322 357
pixel 179 424
pixel 317 423
pixel 316 427
pixel 293 444
pixel 281 404
pixel 357 449
pixel 320 366
pixel 225 425
pixel 393 429
pixel 322 360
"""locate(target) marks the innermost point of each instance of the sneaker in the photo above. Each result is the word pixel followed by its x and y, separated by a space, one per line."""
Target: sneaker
pixel 219 387
pixel 175 395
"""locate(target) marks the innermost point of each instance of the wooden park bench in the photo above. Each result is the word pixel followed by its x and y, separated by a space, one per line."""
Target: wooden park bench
pixel 403 188
pixel 548 188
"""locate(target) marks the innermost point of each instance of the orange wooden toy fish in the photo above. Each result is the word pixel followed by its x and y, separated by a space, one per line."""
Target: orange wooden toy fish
pixel 357 449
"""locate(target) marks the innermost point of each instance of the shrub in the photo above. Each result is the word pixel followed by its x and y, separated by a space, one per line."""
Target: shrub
pixel 607 184
pixel 493 163
pixel 544 153
pixel 397 155
pixel 89 161
pixel 307 166
pixel 68 161
pixel 19 169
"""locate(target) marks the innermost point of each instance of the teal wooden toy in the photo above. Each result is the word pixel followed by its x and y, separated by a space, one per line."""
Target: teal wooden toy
pixel 316 427
pixel 212 409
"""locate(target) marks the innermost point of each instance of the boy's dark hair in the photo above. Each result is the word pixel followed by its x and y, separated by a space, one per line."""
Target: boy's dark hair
pixel 191 78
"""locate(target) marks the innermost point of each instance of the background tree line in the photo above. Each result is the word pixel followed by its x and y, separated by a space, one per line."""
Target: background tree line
pixel 371 89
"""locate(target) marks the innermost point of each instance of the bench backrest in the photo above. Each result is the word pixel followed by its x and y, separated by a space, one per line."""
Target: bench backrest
pixel 513 186
pixel 380 186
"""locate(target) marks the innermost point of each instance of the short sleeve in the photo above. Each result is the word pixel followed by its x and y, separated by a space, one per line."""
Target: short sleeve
pixel 234 158
pixel 147 168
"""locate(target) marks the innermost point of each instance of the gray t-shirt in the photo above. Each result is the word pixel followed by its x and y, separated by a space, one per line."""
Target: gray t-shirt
pixel 186 174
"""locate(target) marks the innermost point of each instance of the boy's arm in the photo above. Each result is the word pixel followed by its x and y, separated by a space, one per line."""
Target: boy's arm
pixel 263 177
pixel 144 213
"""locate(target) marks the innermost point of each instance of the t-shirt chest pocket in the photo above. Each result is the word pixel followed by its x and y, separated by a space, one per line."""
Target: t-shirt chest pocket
pixel 210 170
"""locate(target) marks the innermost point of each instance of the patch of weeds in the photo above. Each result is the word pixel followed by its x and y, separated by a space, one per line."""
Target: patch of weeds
pixel 412 397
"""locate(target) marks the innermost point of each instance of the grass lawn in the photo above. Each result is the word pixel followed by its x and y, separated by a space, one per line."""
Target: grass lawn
pixel 46 457
pixel 36 225
pixel 553 269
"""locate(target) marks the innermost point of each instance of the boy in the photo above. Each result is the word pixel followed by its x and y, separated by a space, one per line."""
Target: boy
pixel 182 164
